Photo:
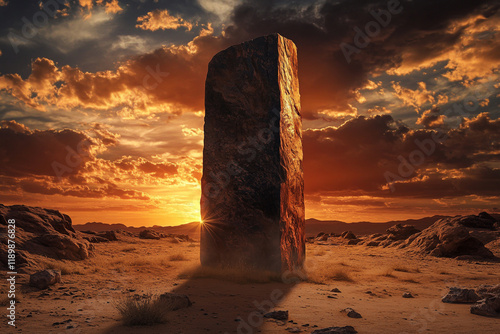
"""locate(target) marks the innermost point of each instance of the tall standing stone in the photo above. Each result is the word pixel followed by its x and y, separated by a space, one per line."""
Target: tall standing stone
pixel 252 201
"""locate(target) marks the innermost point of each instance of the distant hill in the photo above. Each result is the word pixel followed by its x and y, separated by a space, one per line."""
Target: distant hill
pixel 313 226
pixel 191 229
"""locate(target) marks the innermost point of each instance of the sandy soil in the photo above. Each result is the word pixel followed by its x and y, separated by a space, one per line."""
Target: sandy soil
pixel 371 280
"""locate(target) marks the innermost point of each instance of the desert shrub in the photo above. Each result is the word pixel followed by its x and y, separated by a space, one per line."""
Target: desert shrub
pixel 143 311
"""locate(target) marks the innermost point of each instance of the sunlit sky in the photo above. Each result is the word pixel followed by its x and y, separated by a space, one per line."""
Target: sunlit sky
pixel 101 104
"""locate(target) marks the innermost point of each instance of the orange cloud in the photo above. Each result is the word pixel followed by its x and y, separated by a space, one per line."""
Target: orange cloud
pixel 161 19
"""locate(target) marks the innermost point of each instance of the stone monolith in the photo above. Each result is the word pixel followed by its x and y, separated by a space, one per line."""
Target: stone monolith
pixel 252 202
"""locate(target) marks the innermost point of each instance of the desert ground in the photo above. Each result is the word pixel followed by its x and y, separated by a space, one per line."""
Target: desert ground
pixel 371 280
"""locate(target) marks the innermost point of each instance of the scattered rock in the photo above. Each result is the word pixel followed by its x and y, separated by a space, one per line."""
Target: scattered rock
pixel 177 301
pixel 336 330
pixel 351 313
pixel 43 279
pixel 335 290
pixel 149 234
pixel 488 307
pixel 277 315
pixel 407 295
pixel 354 241
pixel 373 243
pixel 461 296
pixel 293 330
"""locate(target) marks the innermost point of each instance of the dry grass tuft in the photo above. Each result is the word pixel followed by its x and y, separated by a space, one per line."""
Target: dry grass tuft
pixel 328 273
pixel 388 272
pixel 144 311
pixel 66 267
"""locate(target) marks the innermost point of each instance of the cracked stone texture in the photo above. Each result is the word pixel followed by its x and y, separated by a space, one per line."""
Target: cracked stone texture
pixel 252 201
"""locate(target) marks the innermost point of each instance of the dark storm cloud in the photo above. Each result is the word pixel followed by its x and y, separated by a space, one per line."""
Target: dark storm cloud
pixel 354 158
pixel 327 80
pixel 418 33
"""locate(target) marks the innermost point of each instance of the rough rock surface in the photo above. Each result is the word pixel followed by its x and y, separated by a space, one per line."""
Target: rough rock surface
pixel 42 232
pixel 252 202
pixel 43 279
pixel 461 296
pixel 449 238
pixel 277 315
pixel 351 313
pixel 336 330
pixel 488 307
pixel 348 235
pixel 401 232
pixel 149 234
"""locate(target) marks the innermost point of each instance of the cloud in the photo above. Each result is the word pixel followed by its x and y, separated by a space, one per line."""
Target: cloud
pixel 317 28
pixel 161 19
pixel 67 163
pixel 352 160
pixel 113 7
pixel 432 118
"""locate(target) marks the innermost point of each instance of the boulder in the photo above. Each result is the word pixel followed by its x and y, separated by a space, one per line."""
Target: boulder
pixel 482 221
pixel 488 307
pixel 336 330
pixel 448 237
pixel 42 232
pixel 252 202
pixel 401 232
pixel 277 315
pixel 109 235
pixel 461 296
pixel 45 278
pixel 149 234
pixel 351 313
pixel 348 235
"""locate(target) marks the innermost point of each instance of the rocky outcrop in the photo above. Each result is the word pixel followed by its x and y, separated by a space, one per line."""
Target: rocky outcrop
pixel 401 232
pixel 252 201
pixel 43 232
pixel 485 299
pixel 45 278
pixel 149 234
pixel 488 307
pixel 450 238
pixel 461 296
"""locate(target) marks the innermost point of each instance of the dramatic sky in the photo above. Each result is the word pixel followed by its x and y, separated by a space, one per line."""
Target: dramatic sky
pixel 102 104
